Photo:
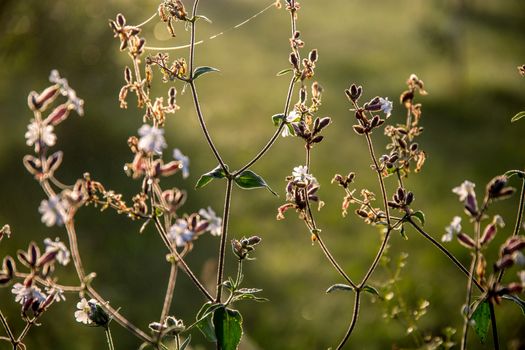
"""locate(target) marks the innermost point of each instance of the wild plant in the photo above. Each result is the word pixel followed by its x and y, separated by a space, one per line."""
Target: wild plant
pixel 36 286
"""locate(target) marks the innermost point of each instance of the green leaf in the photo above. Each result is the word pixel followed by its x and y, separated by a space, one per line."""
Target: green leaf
pixel 217 173
pixel 248 180
pixel 228 328
pixel 248 290
pixel 203 70
pixel 204 18
pixel 239 297
pixel 284 71
pixel 339 286
pixel 517 300
pixel 277 118
pixel 518 116
pixel 402 232
pixel 481 318
pixel 204 321
pixel 420 216
pixel 369 289
pixel 185 343
pixel 511 173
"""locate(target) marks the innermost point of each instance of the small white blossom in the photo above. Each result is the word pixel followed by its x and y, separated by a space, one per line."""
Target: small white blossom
pixel 498 220
pixel 53 211
pixel 82 314
pixel 464 190
pixel 23 293
pixel 300 174
pixel 180 233
pixel 293 116
pixel 177 155
pixel 35 133
pixel 386 106
pixel 214 222
pixel 63 255
pixel 152 139
pixel 453 229
pixel 286 131
pixel 58 294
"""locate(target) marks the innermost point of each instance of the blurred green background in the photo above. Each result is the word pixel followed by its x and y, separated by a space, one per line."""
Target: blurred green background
pixel 466 51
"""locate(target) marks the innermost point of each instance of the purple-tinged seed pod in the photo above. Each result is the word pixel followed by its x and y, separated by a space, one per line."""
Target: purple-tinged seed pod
pixel 375 121
pixel 34 253
pixel 488 234
pixel 361 213
pixel 47 96
pixel 253 240
pixel 4 279
pixel 47 258
pixel 54 161
pixel 401 194
pixel 414 147
pixel 402 143
pixel 466 240
pixel 302 95
pixel 121 20
pixel 504 263
pixel 317 139
pixel 32 165
pixel 127 75
pixel 359 129
pixel 293 60
pixel 513 244
pixel 313 56
pixel 410 198
pixel 23 258
pixel 58 115
pixel 9 266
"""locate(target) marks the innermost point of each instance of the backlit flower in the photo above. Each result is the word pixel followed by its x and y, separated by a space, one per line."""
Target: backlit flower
pixel 386 106
pixel 214 222
pixel 23 293
pixel 37 133
pixel 62 253
pixel 300 174
pixel 180 233
pixel 453 229
pixel 82 314
pixel 151 139
pixel 177 155
pixel 464 190
pixel 53 211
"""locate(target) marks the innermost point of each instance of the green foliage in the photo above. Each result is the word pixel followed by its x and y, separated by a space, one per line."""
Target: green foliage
pixel 481 319
pixel 228 327
pixel 203 70
pixel 248 180
pixel 217 173
pixel 518 116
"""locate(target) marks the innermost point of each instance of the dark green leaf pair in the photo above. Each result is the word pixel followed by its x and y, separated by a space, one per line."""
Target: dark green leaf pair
pixel 340 286
pixel 203 70
pixel 246 180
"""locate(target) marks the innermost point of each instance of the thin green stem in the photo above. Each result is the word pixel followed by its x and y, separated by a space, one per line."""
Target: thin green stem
pixel 109 338
pixel 519 218
pixel 7 328
pixel 332 260
pixel 355 315
pixel 224 236
pixel 180 260
pixel 121 320
pixel 379 254
pixel 194 91
pixel 495 338
pixel 467 306
pixel 446 252
pixel 169 292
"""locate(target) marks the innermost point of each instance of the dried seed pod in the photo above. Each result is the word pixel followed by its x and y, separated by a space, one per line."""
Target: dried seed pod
pixel 53 162
pixel 9 266
pixel 359 129
pixel 293 61
pixel 127 75
pixel 410 198
pixel 466 241
pixel 121 20
pixel 313 56
pixel 58 115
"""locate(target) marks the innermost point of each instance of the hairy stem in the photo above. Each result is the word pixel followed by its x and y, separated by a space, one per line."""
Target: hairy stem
pixel 109 339
pixel 169 292
pixel 494 326
pixel 224 236
pixel 446 252
pixel 7 328
pixel 332 260
pixel 355 315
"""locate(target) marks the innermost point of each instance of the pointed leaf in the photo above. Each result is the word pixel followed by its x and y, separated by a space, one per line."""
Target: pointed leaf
pixel 204 18
pixel 277 119
pixel 369 289
pixel 203 70
pixel 248 180
pixel 217 173
pixel 510 173
pixel 518 116
pixel 517 300
pixel 420 216
pixel 284 71
pixel 481 318
pixel 339 286
pixel 204 321
pixel 228 328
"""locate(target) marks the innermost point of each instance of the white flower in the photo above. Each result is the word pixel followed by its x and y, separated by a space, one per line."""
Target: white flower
pixel 180 233
pixel 286 131
pixel 23 293
pixel 214 222
pixel 453 229
pixel 521 275
pixel 36 133
pixel 300 174
pixel 152 139
pixel 63 255
pixel 464 190
pixel 84 309
pixel 58 294
pixel 386 106
pixel 53 211
pixel 293 116
pixel 177 155
pixel 498 220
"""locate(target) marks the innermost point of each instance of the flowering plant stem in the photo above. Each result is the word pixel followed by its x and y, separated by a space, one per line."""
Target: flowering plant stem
pixel 109 338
